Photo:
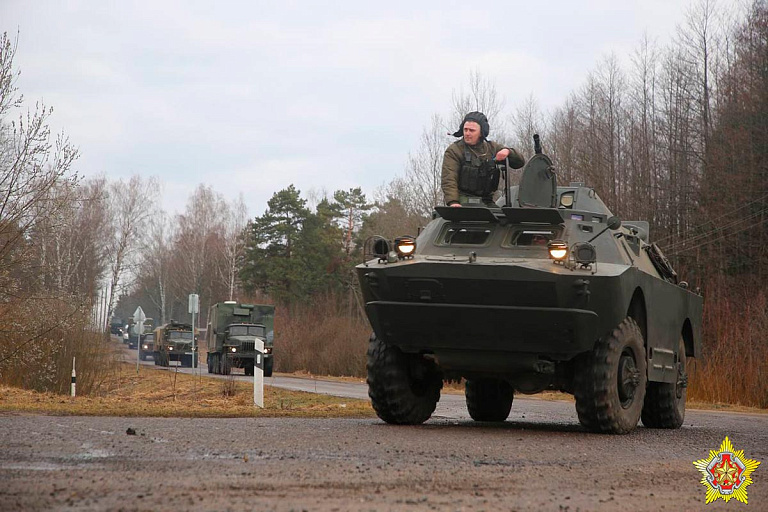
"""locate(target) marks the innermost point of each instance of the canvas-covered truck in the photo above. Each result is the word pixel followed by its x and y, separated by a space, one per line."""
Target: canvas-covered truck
pixel 173 342
pixel 231 335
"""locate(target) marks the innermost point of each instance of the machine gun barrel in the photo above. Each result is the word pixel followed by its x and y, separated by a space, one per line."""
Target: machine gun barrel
pixel 536 144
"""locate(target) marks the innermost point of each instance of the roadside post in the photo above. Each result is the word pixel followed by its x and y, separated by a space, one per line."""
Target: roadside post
pixel 194 307
pixel 138 317
pixel 74 379
pixel 258 374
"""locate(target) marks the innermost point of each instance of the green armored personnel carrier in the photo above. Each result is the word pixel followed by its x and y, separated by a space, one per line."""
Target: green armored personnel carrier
pixel 231 335
pixel 173 342
pixel 549 291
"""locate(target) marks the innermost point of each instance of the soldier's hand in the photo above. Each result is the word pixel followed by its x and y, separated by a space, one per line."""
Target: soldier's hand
pixel 501 155
pixel 456 205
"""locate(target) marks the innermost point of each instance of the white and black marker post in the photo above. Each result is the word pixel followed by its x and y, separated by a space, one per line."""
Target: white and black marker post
pixel 258 374
pixel 138 317
pixel 74 379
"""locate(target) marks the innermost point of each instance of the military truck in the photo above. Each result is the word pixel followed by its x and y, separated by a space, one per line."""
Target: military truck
pixel 147 346
pixel 173 342
pixel 134 336
pixel 231 334
pixel 548 291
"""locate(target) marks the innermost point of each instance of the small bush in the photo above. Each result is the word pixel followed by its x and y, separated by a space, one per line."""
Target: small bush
pixel 40 337
pixel 323 338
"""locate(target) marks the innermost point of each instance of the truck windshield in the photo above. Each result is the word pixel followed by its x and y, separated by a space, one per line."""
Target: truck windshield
pixel 180 335
pixel 247 330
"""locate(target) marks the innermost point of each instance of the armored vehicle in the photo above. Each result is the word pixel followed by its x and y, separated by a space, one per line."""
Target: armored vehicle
pixel 173 342
pixel 549 291
pixel 231 334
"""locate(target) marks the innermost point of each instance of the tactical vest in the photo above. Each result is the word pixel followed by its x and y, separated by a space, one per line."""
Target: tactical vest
pixel 478 177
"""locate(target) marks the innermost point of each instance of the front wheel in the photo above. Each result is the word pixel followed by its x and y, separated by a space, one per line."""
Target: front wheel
pixel 404 388
pixel 611 380
pixel 488 399
pixel 665 402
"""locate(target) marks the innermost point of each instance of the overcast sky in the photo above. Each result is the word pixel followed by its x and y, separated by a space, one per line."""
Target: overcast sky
pixel 253 96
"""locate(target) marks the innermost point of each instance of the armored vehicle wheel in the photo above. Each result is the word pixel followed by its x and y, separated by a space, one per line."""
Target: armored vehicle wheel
pixel 610 385
pixel 248 369
pixel 488 399
pixel 404 388
pixel 665 402
pixel 268 365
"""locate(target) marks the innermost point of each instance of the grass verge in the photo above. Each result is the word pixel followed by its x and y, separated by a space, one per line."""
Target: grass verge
pixel 171 394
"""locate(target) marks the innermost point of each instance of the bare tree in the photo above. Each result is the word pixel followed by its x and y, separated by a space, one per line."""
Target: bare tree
pixel 131 206
pixel 482 96
pixel 422 188
pixel 233 246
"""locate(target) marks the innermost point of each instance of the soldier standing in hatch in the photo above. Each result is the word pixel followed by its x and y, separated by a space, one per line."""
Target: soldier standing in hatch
pixel 469 174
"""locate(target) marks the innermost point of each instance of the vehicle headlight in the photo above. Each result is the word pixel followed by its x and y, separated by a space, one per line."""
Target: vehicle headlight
pixel 233 349
pixel 558 249
pixel 170 348
pixel 267 350
pixel 145 347
pixel 584 253
pixel 405 246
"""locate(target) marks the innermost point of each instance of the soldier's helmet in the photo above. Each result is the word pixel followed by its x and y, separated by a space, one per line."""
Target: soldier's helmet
pixel 480 119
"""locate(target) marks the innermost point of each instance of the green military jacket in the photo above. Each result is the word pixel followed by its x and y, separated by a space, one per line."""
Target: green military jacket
pixel 454 159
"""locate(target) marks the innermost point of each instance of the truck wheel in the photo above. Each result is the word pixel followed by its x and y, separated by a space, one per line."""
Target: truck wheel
pixel 404 388
pixel 268 364
pixel 208 363
pixel 248 369
pixel 156 358
pixel 610 382
pixel 225 367
pixel 488 399
pixel 665 402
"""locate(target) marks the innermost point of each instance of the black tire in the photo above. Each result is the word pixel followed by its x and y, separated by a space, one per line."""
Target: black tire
pixel 208 363
pixel 404 388
pixel 248 369
pixel 610 382
pixel 665 402
pixel 156 358
pixel 225 366
pixel 268 365
pixel 489 399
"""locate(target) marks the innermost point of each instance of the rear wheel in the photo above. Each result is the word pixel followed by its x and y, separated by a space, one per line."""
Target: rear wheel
pixel 665 401
pixel 610 381
pixel 404 388
pixel 488 399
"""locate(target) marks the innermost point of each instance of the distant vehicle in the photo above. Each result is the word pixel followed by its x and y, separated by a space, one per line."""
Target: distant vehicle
pixel 116 326
pixel 231 334
pixel 147 346
pixel 173 342
pixel 133 339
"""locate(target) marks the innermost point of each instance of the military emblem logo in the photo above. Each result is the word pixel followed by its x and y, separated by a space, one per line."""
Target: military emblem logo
pixel 727 473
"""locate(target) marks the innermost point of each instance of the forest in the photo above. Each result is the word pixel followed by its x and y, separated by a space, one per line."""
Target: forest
pixel 676 135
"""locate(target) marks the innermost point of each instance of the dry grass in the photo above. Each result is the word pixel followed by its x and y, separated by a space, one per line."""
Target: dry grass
pixel 163 393
pixel 322 339
pixel 734 366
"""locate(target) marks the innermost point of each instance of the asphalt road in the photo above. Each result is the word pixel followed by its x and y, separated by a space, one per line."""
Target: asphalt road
pixel 539 459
